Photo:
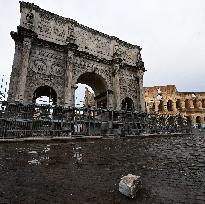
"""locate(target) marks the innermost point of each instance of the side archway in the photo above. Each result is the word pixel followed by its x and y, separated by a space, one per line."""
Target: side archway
pixel 128 104
pixel 203 103
pixel 45 91
pixel 198 119
pixel 160 106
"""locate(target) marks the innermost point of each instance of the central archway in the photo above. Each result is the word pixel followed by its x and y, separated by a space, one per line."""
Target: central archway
pixel 98 85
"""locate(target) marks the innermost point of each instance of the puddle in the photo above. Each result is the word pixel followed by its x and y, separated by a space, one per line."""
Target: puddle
pixel 33 152
pixel 34 162
pixel 47 149
pixel 78 154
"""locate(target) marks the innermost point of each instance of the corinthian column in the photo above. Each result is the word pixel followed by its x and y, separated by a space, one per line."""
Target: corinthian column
pixel 116 83
pixel 72 47
pixel 164 105
pixel 191 103
pixel 199 103
pixel 68 95
pixel 141 93
pixel 147 106
pixel 183 104
pixel 156 104
pixel 24 69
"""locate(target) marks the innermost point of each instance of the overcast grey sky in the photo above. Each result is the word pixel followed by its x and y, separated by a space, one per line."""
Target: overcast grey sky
pixel 170 32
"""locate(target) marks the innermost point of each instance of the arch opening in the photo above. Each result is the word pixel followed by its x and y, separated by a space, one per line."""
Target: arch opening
pixel 45 95
pixel 84 96
pixel 96 84
pixel 178 104
pixel 198 119
pixel 160 106
pixel 159 98
pixel 189 119
pixel 127 104
pixel 170 105
pixel 203 103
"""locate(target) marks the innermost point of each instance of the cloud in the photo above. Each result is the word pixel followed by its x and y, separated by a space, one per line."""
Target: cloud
pixel 171 33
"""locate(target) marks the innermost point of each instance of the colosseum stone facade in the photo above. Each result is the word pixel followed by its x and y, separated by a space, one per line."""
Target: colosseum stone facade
pixel 167 100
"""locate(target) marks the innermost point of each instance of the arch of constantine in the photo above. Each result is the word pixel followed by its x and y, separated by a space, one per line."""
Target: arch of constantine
pixel 167 100
pixel 53 54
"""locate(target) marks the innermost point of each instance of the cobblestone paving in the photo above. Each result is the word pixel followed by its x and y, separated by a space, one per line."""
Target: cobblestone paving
pixel 172 170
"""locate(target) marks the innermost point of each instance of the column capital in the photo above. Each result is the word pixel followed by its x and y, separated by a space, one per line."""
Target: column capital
pixel 117 60
pixel 70 56
pixel 72 46
pixel 27 44
pixel 116 68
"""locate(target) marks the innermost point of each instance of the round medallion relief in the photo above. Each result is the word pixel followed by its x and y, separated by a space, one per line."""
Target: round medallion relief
pixel 56 70
pixel 39 66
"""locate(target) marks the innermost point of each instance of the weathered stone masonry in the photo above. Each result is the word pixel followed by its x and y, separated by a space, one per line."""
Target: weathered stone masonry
pixel 53 54
pixel 167 100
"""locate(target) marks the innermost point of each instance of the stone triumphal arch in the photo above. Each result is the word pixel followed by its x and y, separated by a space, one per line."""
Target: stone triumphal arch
pixel 53 54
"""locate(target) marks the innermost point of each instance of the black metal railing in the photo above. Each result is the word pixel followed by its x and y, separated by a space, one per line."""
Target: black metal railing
pixel 33 120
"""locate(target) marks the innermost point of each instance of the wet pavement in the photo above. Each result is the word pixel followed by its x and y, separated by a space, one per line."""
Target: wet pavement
pixel 172 170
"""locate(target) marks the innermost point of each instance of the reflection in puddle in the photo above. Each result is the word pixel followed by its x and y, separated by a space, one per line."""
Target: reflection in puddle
pixel 47 149
pixel 33 152
pixel 78 154
pixel 34 161
pixel 40 156
pixel 40 160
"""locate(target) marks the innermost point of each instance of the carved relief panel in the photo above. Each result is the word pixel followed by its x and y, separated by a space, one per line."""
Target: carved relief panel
pixel 47 61
pixel 129 85
pixel 46 67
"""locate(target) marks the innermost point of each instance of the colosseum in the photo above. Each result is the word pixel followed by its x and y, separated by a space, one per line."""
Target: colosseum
pixel 167 100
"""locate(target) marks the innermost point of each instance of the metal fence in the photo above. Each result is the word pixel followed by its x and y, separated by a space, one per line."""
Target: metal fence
pixel 32 120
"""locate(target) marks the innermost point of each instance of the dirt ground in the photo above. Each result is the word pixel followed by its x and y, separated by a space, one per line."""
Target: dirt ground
pixel 172 170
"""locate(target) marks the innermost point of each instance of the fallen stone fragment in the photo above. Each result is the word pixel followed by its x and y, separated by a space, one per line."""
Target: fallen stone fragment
pixel 129 185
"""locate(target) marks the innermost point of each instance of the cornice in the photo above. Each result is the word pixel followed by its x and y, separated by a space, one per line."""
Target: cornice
pixel 23 32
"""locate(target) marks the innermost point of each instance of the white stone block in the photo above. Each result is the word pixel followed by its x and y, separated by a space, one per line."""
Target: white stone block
pixel 129 185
